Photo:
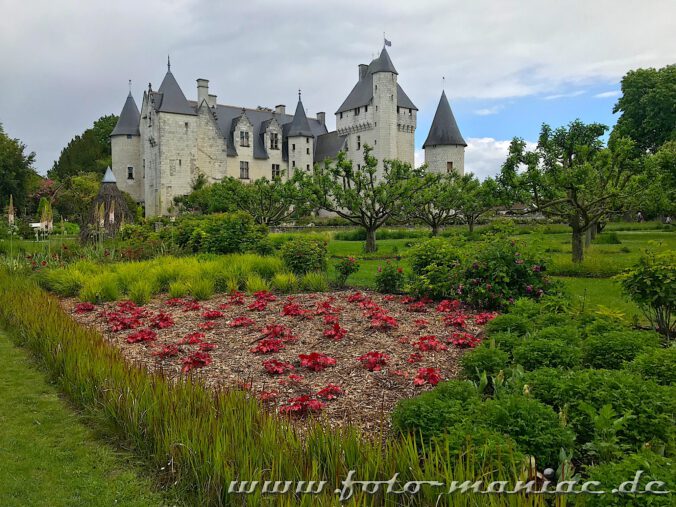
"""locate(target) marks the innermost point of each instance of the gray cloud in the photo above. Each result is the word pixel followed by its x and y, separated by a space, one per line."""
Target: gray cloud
pixel 66 63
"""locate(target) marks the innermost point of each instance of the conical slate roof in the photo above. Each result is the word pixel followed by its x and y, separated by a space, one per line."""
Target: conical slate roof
pixel 382 64
pixel 109 177
pixel 444 130
pixel 128 122
pixel 299 125
pixel 172 98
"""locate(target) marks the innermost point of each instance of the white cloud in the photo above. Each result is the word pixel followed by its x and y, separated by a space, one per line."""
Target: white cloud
pixel 576 93
pixel 487 111
pixel 419 156
pixel 607 95
pixel 484 156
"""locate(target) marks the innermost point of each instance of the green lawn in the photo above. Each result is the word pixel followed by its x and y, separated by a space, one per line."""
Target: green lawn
pixel 47 456
pixel 595 292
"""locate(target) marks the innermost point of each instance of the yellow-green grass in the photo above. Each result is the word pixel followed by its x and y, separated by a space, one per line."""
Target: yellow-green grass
pixel 595 293
pixel 48 456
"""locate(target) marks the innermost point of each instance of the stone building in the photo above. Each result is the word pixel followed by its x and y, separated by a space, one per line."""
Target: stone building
pixel 159 151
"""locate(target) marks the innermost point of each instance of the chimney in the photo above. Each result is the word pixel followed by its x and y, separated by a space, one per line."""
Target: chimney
pixel 280 109
pixel 321 117
pixel 212 100
pixel 362 70
pixel 202 90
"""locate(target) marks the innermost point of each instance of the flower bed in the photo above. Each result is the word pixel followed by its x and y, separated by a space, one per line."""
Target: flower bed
pixel 370 350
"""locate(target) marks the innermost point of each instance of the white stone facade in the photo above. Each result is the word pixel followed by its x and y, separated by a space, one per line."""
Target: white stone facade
pixel 444 159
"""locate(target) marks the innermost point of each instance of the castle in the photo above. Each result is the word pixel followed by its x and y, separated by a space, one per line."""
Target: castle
pixel 158 153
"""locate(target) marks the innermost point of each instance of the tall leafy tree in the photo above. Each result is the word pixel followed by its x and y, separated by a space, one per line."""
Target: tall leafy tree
pixel 16 171
pixel 75 198
pixel 87 152
pixel 477 199
pixel 572 176
pixel 647 108
pixel 437 205
pixel 361 196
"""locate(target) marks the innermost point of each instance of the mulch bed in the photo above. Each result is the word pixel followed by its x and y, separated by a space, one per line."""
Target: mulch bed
pixel 227 359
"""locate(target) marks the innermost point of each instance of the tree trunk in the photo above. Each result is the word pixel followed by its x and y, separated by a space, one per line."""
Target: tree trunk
pixel 435 230
pixel 587 238
pixel 594 230
pixel 470 224
pixel 370 241
pixel 578 246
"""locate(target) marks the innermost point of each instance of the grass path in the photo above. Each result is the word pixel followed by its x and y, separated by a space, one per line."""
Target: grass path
pixel 48 457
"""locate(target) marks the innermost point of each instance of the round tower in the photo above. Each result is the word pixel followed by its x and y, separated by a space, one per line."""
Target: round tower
pixel 125 143
pixel 445 146
pixel 300 139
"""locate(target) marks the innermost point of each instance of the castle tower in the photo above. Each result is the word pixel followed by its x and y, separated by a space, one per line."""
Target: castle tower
pixel 300 140
pixel 444 146
pixel 125 143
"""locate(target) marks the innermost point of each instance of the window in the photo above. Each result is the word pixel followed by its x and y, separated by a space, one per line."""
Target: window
pixel 293 164
pixel 398 109
pixel 130 173
pixel 244 170
pixel 359 142
pixel 307 151
pixel 307 167
pixel 293 147
pixel 276 172
pixel 186 125
pixel 366 109
pixel 356 111
pixel 128 136
pixel 410 112
pixel 358 167
pixel 307 140
pixel 449 167
pixel 375 141
pixel 274 140
pixel 244 138
pixel 341 116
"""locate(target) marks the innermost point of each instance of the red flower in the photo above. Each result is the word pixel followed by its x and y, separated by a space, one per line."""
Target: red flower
pixel 407 300
pixel 294 310
pixel 326 308
pixel 335 332
pixel 464 340
pixel 316 361
pixel 196 360
pixel 390 297
pixel 301 406
pixel 383 322
pixel 415 357
pixel 191 306
pixel 144 335
pixel 373 361
pixel 236 298
pixel 241 322
pixel 330 392
pixel 84 307
pixel 276 367
pixel 278 331
pixel 192 339
pixel 167 351
pixel 267 346
pixel 162 321
pixel 418 307
pixel 265 295
pixel 482 318
pixel 206 326
pixel 295 378
pixel 429 342
pixel 330 319
pixel 448 305
pixel 458 320
pixel 259 305
pixel 427 376
pixel 174 302
pixel 212 314
pixel 206 347
pixel 357 297
pixel 398 373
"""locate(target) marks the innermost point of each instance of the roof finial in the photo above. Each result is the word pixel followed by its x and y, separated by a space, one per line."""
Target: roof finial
pixel 168 64
pixel 298 94
pixel 130 87
pixel 443 83
pixel 385 41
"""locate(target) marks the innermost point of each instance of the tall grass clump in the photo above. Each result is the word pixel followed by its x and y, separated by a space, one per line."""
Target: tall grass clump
pixel 141 291
pixel 256 283
pixel 315 281
pixel 211 436
pixel 65 282
pixel 179 289
pixel 285 282
pixel 100 288
pixel 201 288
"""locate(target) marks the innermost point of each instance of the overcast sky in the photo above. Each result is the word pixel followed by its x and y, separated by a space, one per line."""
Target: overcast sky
pixel 509 64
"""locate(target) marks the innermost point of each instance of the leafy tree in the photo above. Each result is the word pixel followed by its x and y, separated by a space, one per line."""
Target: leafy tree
pixel 436 205
pixel 361 196
pixel 572 176
pixel 74 200
pixel 16 171
pixel 88 152
pixel 655 190
pixel 647 108
pixel 477 198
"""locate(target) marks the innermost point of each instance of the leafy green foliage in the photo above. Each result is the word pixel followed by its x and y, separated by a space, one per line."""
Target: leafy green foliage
pixel 389 278
pixel 483 359
pixel 344 268
pixel 612 350
pixel 16 171
pixel 315 281
pixel 437 205
pixel 656 364
pixel 303 255
pixel 221 233
pixel 509 323
pixel 546 353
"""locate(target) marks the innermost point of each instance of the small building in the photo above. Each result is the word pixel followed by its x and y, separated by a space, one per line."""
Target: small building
pixel 108 213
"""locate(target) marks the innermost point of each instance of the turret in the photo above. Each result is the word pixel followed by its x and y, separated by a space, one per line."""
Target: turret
pixel 445 146
pixel 300 140
pixel 125 144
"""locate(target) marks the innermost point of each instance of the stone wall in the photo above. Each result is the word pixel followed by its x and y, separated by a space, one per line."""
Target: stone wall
pixel 436 157
pixel 126 152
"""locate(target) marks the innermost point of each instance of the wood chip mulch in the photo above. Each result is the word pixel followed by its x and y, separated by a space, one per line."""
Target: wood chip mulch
pixel 368 396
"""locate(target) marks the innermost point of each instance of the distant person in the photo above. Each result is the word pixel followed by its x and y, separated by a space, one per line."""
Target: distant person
pixel 667 220
pixel 639 217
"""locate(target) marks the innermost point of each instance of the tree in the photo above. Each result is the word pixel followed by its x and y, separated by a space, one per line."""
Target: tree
pixel 477 199
pixel 88 152
pixel 362 197
pixel 75 199
pixel 16 171
pixel 437 205
pixel 572 176
pixel 647 108
pixel 654 192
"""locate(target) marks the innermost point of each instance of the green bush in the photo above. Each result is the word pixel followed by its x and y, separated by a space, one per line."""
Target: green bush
pixel 507 341
pixel 436 251
pixel 179 289
pixel 256 283
pixel 140 292
pixel 534 426
pixel 650 406
pixel 432 413
pixel 285 282
pixel 360 234
pixel 303 255
pixel 201 288
pixel 64 282
pixel 546 353
pixel 389 278
pixel 612 350
pixel 508 323
pixel 100 288
pixel 568 334
pixel 612 475
pixel 656 364
pixel 221 233
pixel 314 282
pixel 344 268
pixel 484 358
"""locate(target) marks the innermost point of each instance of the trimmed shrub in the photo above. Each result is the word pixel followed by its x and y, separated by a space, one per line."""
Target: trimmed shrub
pixel 534 426
pixel 315 282
pixel 546 353
pixel 344 268
pixel 508 323
pixel 507 341
pixel 389 278
pixel 303 255
pixel 568 334
pixel 656 364
pixel 221 233
pixel 436 251
pixel 612 350
pixel 484 358
pixel 285 282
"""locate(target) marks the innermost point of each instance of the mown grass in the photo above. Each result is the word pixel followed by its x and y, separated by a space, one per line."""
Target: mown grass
pixel 202 439
pixel 48 457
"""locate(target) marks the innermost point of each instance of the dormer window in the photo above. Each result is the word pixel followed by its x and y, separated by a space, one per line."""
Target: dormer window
pixel 356 111
pixel 244 138
pixel 274 141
